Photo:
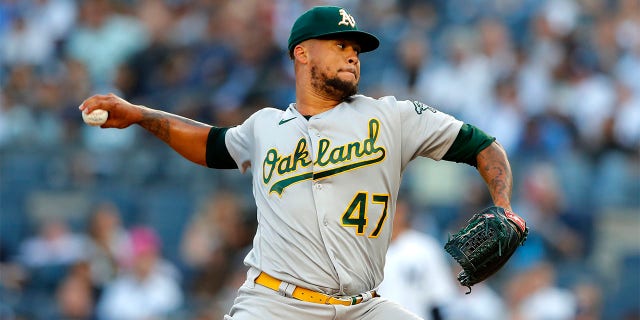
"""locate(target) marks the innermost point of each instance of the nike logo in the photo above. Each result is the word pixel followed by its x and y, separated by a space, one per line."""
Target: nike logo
pixel 283 121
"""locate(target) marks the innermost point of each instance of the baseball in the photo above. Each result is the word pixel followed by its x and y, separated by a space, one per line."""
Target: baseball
pixel 95 118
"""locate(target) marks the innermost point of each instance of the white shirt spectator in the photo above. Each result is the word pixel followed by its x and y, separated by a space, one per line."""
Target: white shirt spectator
pixel 482 304
pixel 130 298
pixel 626 127
pixel 151 290
pixel 549 303
pixel 54 245
pixel 417 275
pixel 25 43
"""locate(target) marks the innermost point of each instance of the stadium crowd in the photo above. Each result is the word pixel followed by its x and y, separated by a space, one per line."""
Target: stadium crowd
pixel 111 224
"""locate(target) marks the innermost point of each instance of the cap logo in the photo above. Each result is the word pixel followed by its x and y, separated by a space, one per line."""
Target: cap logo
pixel 347 19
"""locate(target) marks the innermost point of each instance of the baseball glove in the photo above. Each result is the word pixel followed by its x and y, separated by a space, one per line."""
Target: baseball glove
pixel 486 243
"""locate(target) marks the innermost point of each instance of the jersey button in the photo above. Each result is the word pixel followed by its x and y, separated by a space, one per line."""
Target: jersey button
pixel 325 222
pixel 319 186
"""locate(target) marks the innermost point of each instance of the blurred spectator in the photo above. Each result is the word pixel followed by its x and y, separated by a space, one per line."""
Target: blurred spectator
pixel 74 298
pixel 46 257
pixel 562 15
pixel 566 234
pixel 12 278
pixel 103 39
pixel 215 244
pixel 259 56
pixel 54 245
pixel 627 16
pixel 109 245
pixel 589 100
pixel 417 274
pixel 16 110
pixel 534 295
pixel 146 290
pixel 54 17
pixel 157 73
pixel 442 79
pixel 547 136
pixel 496 45
pixel 624 130
pixel 589 300
pixel 412 66
pixel 509 113
pixel 25 43
pixel 76 84
pixel 484 303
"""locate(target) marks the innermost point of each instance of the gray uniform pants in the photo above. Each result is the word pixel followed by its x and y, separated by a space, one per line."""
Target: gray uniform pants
pixel 255 302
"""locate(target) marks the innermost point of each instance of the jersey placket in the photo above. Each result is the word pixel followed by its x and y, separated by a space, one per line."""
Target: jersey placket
pixel 319 188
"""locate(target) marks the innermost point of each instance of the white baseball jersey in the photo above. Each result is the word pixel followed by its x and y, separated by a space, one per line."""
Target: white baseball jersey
pixel 325 188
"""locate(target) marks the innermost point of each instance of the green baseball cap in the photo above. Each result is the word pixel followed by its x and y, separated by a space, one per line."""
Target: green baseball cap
pixel 320 22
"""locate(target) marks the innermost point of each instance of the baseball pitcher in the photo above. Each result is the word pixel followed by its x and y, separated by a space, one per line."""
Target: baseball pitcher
pixel 326 173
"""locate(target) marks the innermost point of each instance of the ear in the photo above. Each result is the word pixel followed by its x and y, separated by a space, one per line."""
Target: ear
pixel 300 54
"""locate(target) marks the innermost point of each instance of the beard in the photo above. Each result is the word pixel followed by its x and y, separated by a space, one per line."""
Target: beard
pixel 333 87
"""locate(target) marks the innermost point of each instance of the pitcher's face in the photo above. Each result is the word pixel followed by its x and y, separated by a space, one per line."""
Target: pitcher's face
pixel 335 67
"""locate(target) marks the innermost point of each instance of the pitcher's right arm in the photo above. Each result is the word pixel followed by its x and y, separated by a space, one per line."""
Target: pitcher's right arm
pixel 187 137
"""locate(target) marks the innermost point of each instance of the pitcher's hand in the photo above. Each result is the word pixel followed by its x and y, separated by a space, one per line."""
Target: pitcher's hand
pixel 121 113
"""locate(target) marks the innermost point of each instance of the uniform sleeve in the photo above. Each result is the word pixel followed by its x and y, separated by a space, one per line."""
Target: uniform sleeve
pixel 469 142
pixel 217 155
pixel 426 132
pixel 240 141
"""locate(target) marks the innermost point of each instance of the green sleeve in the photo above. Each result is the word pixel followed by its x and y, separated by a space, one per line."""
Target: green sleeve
pixel 217 154
pixel 469 142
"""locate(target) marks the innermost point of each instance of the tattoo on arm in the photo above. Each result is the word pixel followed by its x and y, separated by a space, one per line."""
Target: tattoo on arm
pixel 156 123
pixel 159 123
pixel 494 168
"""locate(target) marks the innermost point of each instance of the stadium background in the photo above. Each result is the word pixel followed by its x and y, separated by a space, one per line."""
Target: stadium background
pixel 557 82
